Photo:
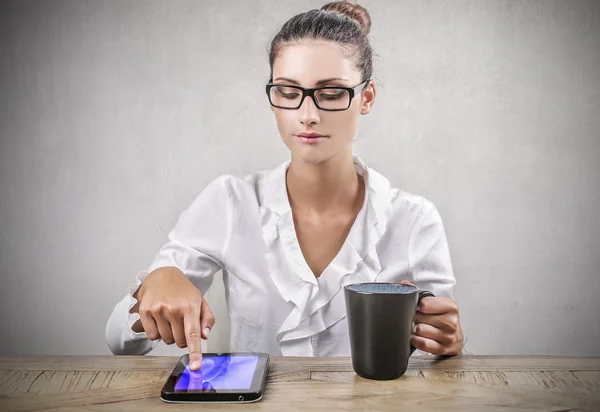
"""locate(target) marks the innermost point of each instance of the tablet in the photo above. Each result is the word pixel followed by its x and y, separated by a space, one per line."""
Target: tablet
pixel 223 377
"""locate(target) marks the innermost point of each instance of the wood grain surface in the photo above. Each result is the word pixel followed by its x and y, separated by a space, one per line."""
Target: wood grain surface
pixel 131 383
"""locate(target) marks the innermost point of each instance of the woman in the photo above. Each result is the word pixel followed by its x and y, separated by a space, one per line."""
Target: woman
pixel 289 239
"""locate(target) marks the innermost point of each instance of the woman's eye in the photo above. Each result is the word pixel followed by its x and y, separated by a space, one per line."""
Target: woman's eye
pixel 287 92
pixel 330 96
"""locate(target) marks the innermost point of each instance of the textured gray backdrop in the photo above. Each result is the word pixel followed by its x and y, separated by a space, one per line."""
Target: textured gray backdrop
pixel 115 114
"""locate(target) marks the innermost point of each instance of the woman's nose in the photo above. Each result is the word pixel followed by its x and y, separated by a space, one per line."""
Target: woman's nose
pixel 308 113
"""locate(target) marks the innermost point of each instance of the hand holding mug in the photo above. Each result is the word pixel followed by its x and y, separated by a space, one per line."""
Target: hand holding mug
pixel 437 326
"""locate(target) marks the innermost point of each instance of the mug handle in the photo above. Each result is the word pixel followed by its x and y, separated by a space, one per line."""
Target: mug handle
pixel 422 294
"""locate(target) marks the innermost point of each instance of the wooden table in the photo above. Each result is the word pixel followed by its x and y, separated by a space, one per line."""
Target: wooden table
pixel 131 383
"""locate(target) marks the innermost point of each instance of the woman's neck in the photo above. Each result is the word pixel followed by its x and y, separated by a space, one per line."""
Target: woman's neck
pixel 331 185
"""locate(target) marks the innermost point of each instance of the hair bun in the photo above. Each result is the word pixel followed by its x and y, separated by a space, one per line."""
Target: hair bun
pixel 354 11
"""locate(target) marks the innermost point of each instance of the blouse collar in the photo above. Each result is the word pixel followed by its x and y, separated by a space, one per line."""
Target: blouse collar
pixel 376 193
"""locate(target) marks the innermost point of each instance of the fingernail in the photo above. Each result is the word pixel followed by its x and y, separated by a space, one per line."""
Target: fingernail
pixel 206 331
pixel 195 365
pixel 419 307
pixel 415 329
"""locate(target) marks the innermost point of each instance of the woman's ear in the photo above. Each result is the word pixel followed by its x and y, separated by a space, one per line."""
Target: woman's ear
pixel 368 98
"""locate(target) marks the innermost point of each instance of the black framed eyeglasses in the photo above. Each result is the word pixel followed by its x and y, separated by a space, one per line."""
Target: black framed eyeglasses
pixel 329 98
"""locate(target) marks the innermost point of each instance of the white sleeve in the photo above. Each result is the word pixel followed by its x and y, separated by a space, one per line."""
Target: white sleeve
pixel 429 260
pixel 197 246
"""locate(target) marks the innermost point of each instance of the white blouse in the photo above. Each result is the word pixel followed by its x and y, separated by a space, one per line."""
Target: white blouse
pixel 276 305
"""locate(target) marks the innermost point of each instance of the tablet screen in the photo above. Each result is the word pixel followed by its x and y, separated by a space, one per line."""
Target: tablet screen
pixel 219 373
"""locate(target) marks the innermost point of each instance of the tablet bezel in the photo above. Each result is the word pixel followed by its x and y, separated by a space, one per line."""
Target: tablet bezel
pixel 254 393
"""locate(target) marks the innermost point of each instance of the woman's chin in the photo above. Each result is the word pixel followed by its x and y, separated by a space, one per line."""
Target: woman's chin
pixel 310 156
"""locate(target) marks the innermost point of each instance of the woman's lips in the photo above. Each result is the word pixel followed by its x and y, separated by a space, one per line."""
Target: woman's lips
pixel 310 138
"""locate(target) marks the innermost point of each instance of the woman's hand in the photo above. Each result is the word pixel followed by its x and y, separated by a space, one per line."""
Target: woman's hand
pixel 173 309
pixel 437 326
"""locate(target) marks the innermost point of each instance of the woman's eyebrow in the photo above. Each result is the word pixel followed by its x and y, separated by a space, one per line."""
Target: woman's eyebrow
pixel 320 82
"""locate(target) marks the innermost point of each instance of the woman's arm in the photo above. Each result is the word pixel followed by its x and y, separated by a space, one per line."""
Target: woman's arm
pixel 196 248
pixel 437 321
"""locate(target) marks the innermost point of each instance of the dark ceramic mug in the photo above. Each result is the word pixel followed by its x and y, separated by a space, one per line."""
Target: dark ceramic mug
pixel 380 320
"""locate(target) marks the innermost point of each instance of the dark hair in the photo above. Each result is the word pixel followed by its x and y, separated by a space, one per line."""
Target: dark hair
pixel 341 22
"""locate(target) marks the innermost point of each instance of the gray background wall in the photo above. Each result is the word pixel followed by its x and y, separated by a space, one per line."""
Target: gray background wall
pixel 115 114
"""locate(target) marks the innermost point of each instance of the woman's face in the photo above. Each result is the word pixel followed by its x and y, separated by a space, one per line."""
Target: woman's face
pixel 308 65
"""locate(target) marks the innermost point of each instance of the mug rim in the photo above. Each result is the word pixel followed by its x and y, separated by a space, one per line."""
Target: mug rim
pixel 347 288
